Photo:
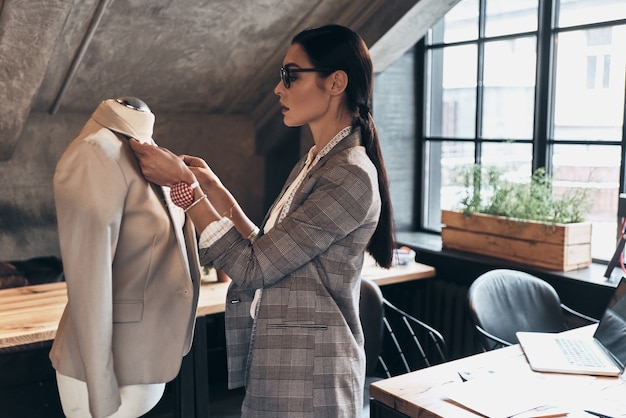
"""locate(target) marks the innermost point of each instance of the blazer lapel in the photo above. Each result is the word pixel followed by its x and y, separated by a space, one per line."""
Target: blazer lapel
pixel 177 216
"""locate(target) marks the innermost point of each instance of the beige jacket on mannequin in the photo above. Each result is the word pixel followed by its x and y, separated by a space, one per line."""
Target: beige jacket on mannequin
pixel 130 262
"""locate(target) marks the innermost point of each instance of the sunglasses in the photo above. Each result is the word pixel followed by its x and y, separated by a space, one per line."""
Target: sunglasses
pixel 285 73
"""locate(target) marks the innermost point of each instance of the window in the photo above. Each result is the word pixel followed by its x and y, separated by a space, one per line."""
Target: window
pixel 521 84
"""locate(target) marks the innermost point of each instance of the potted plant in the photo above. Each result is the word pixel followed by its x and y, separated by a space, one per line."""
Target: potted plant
pixel 522 221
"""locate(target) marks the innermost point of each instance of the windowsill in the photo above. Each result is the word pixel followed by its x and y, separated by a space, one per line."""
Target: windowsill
pixel 429 243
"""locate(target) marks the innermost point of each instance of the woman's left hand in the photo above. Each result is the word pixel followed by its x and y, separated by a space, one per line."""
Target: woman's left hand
pixel 159 165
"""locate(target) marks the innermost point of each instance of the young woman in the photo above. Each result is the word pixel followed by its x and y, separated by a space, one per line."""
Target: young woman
pixel 294 337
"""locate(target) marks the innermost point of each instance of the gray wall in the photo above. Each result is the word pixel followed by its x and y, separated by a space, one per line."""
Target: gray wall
pixel 27 215
pixel 198 57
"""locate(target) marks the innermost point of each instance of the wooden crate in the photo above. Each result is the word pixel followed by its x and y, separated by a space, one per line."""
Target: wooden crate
pixel 561 247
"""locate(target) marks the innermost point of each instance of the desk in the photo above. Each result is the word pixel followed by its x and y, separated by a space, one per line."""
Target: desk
pixel 31 314
pixel 29 317
pixel 397 274
pixel 422 393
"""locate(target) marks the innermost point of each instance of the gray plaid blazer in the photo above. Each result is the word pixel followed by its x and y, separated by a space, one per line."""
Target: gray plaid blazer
pixel 303 354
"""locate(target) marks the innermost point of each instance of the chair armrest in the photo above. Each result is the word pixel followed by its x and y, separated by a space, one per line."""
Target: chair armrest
pixel 417 344
pixel 499 342
pixel 579 314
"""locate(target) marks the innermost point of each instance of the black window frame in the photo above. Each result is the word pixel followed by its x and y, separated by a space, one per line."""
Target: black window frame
pixel 542 141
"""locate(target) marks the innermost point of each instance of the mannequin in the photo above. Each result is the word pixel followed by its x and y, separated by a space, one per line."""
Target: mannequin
pixel 136 399
pixel 131 268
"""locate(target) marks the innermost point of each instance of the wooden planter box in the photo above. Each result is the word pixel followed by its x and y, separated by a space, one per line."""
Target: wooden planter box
pixel 559 247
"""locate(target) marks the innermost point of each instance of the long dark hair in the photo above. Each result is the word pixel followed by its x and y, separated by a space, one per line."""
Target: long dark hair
pixel 340 48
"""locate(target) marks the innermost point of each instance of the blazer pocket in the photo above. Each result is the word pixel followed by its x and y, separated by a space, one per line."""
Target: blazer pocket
pixel 127 311
pixel 302 326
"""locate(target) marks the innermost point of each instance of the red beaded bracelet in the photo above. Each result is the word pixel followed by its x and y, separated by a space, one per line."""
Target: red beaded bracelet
pixel 182 194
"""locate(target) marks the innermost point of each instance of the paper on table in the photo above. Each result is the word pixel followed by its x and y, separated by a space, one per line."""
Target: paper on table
pixel 609 401
pixel 544 411
pixel 497 396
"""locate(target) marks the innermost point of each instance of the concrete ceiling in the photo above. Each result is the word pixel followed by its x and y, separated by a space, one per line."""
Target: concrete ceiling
pixel 181 56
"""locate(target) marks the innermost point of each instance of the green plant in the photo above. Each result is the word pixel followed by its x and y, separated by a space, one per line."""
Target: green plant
pixel 487 190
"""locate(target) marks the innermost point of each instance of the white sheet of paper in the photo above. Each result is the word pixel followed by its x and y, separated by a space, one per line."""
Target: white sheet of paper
pixel 497 396
pixel 611 401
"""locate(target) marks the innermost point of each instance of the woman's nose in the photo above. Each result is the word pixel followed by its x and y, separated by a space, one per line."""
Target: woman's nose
pixel 278 90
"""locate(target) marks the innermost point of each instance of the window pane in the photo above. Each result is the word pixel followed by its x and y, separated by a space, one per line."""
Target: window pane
pixel 510 16
pixel 514 159
pixel 444 189
pixel 578 12
pixel 441 189
pixel 596 168
pixel 509 89
pixel 459 24
pixel 589 88
pixel 451 110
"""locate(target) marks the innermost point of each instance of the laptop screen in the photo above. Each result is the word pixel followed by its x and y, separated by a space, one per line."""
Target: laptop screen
pixel 611 331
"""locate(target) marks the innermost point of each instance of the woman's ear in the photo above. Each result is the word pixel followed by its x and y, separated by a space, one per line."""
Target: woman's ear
pixel 337 82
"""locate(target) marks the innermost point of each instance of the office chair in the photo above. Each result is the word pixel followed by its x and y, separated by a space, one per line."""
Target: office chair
pixel 395 342
pixel 503 301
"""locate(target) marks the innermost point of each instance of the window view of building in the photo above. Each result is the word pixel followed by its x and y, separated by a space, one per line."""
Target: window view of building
pixel 519 84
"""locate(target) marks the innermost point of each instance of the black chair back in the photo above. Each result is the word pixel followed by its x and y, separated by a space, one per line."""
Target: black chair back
pixel 371 313
pixel 502 302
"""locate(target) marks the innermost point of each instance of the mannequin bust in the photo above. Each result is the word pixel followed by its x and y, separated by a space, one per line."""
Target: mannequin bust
pixel 132 292
pixel 128 116
pixel 133 103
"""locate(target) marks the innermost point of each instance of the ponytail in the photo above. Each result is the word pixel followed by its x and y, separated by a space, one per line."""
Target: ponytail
pixel 382 243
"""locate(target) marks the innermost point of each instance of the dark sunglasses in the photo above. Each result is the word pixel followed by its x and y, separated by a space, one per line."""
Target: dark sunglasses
pixel 285 73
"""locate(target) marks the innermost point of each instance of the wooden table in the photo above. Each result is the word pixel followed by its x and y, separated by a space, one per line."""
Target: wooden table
pixel 423 393
pixel 31 314
pixel 397 274
pixel 29 317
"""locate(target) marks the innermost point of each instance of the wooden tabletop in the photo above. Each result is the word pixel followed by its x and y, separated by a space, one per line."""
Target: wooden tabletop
pixel 423 393
pixel 31 314
pixel 419 394
pixel 397 274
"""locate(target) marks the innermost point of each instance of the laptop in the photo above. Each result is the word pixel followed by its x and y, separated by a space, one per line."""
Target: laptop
pixel 604 354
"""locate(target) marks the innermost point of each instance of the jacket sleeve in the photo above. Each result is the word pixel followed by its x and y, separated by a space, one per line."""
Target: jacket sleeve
pixel 327 207
pixel 89 191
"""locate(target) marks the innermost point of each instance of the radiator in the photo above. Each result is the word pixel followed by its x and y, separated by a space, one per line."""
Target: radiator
pixel 443 305
pixel 446 309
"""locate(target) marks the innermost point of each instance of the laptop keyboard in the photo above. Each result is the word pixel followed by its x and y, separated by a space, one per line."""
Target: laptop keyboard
pixel 578 352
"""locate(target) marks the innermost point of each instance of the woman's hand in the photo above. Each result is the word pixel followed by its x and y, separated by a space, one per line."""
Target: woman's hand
pixel 207 178
pixel 160 165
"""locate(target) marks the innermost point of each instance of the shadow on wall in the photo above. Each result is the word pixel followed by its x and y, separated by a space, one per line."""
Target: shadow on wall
pixel 27 230
pixel 33 271
pixel 14 219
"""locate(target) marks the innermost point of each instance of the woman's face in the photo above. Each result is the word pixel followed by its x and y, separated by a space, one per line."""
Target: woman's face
pixel 305 100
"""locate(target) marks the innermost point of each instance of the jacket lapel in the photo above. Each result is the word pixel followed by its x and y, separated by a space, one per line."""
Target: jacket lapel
pixel 177 217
